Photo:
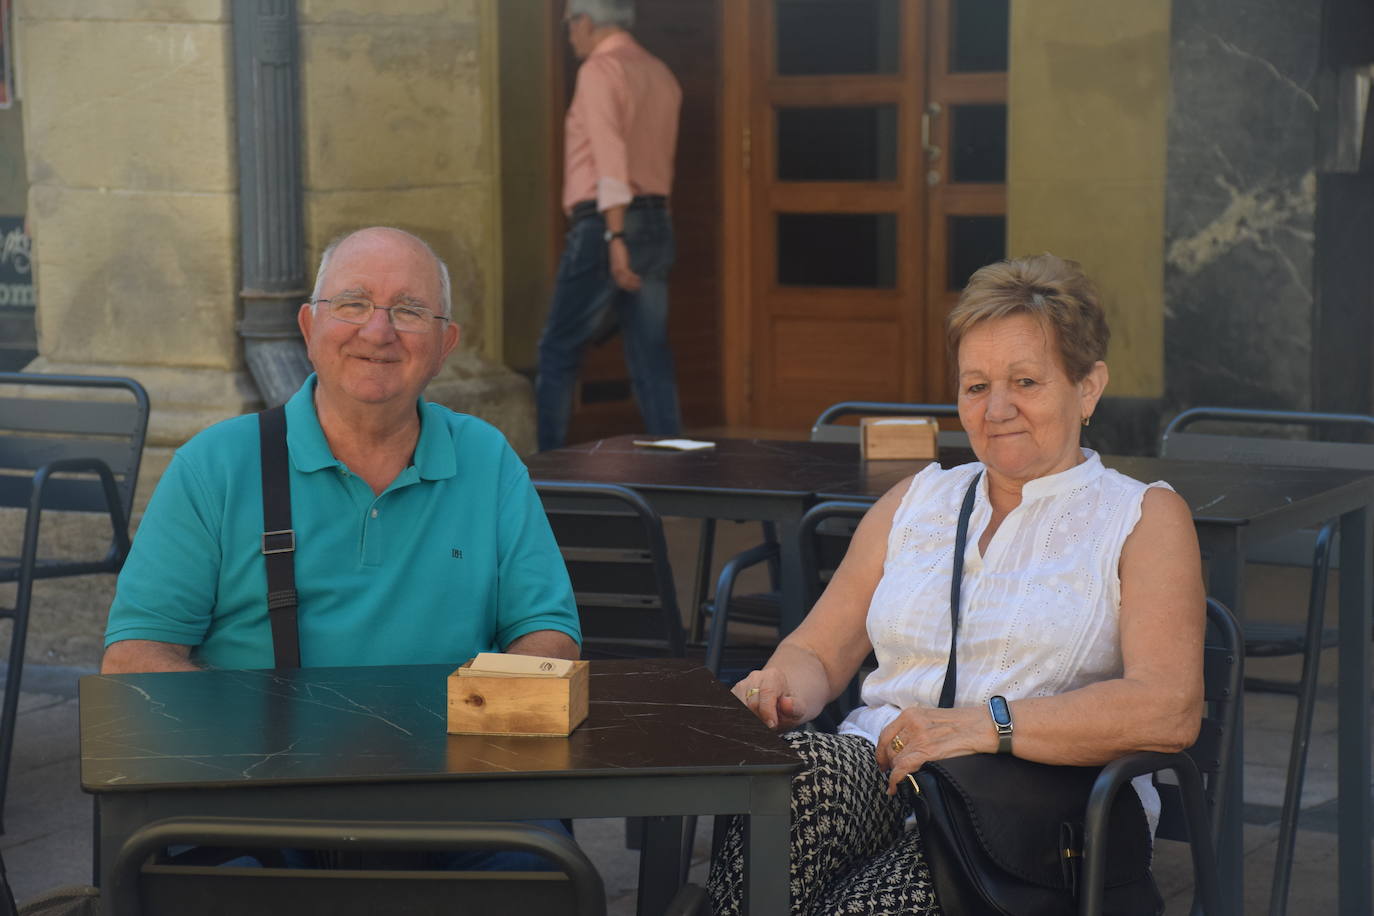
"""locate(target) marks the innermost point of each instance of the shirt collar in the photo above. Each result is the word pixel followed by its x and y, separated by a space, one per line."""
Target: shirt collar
pixel 1079 475
pixel 434 455
pixel 612 42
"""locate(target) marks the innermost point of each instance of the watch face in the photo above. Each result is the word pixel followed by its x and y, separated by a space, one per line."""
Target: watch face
pixel 1001 713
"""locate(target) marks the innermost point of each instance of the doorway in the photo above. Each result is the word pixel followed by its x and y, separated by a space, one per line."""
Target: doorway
pixel 841 172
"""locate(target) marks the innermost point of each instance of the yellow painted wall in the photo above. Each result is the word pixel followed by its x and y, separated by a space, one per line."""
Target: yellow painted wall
pixel 1088 101
pixel 526 181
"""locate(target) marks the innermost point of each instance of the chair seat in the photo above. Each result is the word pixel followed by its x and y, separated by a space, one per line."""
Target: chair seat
pixel 1273 640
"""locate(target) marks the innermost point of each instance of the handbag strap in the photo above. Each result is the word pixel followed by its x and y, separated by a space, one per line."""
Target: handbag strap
pixel 960 541
pixel 278 538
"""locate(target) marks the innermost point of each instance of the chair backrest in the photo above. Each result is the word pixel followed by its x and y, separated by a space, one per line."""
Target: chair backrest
pixel 1247 448
pixel 617 558
pixel 824 535
pixel 826 429
pixel 140 885
pixel 1223 671
pixel 50 418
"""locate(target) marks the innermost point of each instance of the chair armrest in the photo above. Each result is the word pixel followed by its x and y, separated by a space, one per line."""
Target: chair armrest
pixel 725 589
pixel 119 544
pixel 1118 774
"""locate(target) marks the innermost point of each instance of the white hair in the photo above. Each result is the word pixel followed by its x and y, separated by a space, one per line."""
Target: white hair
pixel 445 285
pixel 604 12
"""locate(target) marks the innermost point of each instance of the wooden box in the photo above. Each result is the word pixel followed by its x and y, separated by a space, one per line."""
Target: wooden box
pixel 899 437
pixel 497 705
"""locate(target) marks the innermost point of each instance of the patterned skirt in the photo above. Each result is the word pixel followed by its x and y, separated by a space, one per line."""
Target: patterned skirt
pixel 851 852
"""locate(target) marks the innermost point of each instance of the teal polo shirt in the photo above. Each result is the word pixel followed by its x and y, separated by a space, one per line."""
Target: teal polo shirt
pixel 455 557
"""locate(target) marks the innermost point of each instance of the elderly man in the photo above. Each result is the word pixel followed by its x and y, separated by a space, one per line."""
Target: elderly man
pixel 618 170
pixel 418 536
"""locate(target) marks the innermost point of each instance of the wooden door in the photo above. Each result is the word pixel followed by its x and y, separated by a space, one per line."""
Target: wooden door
pixel 849 224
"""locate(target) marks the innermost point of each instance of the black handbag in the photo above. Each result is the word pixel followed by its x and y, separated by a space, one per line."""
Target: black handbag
pixel 1004 836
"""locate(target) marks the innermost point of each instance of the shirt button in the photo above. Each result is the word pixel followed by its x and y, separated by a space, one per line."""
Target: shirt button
pixel 374 513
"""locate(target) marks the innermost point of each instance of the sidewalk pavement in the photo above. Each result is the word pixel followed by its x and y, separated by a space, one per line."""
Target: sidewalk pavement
pixel 48 820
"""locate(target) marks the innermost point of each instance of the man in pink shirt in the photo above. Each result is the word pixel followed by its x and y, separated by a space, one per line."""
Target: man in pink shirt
pixel 618 170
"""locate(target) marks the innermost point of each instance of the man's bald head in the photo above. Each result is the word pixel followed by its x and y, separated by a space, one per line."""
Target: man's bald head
pixel 445 285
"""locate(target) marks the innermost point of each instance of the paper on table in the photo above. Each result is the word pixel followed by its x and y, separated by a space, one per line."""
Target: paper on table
pixel 681 445
pixel 498 664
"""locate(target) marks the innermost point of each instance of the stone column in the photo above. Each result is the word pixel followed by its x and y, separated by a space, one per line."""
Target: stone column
pixel 400 109
pixel 128 136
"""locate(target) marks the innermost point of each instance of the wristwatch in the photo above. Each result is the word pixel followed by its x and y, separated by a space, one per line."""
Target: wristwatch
pixel 612 235
pixel 1001 720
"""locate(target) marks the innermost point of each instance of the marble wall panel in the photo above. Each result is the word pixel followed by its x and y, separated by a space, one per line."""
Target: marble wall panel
pixel 1241 203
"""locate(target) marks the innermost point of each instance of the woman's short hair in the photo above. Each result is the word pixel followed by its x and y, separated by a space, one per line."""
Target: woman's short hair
pixel 1051 289
pixel 604 12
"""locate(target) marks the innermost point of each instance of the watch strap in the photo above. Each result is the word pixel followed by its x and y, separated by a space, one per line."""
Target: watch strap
pixel 612 236
pixel 1004 729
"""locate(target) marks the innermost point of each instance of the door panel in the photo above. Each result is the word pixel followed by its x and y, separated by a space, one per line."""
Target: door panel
pixel 872 141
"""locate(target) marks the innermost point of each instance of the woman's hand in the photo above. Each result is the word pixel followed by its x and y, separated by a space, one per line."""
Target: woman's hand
pixel 921 733
pixel 767 695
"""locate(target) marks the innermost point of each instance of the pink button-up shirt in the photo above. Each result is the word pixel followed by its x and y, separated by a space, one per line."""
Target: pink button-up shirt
pixel 621 126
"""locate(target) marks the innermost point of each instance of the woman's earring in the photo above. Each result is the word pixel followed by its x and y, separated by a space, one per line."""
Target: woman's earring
pixel 1087 421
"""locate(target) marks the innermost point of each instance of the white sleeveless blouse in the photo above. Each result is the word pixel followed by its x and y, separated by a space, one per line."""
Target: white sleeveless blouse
pixel 1040 609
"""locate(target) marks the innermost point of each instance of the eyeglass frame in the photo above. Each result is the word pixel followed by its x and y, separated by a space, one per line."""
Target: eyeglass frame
pixel 391 319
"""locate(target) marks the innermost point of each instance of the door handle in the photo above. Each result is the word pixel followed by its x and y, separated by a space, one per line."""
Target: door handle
pixel 932 111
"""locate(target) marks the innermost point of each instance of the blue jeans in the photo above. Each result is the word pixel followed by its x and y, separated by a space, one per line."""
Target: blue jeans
pixel 583 292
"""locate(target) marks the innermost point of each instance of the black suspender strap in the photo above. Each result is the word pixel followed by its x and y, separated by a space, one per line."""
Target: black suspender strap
pixel 960 542
pixel 278 538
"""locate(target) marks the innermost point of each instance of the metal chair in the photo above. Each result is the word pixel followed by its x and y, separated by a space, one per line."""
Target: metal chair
pixel 144 886
pixel 62 451
pixel 617 558
pixel 1270 640
pixel 764 608
pixel 1190 809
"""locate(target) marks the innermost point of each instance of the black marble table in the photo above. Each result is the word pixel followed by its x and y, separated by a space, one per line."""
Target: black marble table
pixel 662 739
pixel 740 479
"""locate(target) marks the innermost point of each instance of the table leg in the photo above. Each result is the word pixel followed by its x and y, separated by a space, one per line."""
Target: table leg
pixel 1225 552
pixel 1353 772
pixel 660 864
pixel 765 864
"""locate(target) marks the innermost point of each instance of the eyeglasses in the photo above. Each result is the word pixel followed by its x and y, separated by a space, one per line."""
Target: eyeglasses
pixel 410 319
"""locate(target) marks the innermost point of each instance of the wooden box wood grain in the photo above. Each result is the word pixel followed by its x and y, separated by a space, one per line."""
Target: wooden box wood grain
pixel 904 438
pixel 534 706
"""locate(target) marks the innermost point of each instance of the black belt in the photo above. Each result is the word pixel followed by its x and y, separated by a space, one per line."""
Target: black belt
pixel 585 208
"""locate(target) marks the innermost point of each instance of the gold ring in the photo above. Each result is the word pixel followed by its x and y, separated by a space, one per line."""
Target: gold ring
pixel 749 694
pixel 897 744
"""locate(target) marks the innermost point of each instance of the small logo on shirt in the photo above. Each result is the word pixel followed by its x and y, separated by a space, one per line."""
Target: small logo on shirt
pixel 457 554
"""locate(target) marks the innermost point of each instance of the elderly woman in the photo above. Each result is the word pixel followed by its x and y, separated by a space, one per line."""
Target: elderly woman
pixel 1082 605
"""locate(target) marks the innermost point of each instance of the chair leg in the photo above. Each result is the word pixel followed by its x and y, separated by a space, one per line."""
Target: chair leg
pixel 10 713
pixel 1297 754
pixel 705 548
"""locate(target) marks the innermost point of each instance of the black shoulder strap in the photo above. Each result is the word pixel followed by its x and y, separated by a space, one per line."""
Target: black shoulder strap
pixel 278 538
pixel 960 542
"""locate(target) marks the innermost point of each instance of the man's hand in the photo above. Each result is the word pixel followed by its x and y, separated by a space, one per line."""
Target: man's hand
pixel 621 272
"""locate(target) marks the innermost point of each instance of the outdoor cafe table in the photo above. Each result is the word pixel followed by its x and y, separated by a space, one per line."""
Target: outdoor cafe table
pixel 1232 505
pixel 663 738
